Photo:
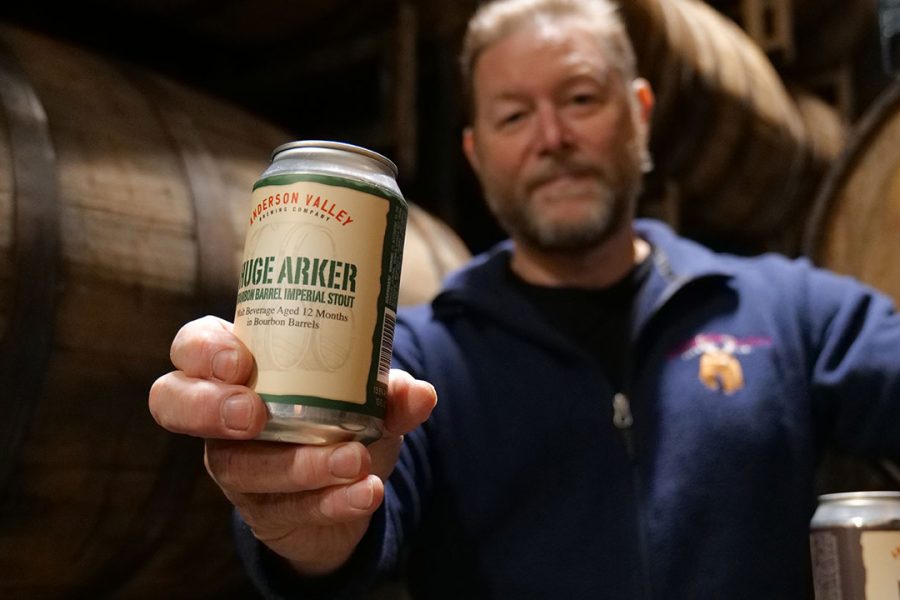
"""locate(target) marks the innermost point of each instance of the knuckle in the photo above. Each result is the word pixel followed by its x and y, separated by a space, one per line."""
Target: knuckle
pixel 326 509
pixel 196 340
pixel 157 390
pixel 300 508
pixel 399 380
pixel 159 400
pixel 257 512
pixel 271 514
pixel 206 344
pixel 234 473
pixel 180 340
pixel 292 512
pixel 181 404
pixel 309 468
pixel 223 465
pixel 193 395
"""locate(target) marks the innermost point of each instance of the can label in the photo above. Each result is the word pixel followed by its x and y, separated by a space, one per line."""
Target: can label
pixel 852 563
pixel 318 290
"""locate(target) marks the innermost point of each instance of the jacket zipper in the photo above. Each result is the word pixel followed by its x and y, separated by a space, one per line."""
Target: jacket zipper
pixel 623 418
pixel 623 421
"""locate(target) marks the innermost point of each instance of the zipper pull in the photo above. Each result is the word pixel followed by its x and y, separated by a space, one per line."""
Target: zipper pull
pixel 623 421
pixel 622 418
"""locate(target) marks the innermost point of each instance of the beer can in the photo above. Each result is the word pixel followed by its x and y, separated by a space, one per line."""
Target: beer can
pixel 855 545
pixel 317 296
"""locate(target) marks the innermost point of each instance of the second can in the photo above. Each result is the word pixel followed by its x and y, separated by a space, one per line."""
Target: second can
pixel 318 290
pixel 855 544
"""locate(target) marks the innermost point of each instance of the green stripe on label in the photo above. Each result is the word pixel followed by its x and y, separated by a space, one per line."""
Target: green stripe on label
pixel 319 402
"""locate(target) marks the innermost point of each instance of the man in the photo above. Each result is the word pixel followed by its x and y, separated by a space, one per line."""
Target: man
pixel 623 414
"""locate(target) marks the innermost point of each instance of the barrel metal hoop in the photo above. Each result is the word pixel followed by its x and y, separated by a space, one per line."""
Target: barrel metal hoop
pixel 864 131
pixel 27 342
pixel 216 242
pixel 180 467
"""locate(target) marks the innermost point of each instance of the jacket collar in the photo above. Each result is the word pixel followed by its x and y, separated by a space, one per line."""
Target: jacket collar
pixel 677 262
pixel 677 258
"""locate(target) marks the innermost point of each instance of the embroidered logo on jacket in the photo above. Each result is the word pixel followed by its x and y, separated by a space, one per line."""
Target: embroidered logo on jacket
pixel 719 367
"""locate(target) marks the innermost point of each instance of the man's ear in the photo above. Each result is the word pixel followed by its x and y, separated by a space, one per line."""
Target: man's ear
pixel 642 91
pixel 468 146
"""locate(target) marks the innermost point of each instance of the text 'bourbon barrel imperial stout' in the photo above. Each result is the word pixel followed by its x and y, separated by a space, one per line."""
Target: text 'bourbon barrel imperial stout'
pixel 318 290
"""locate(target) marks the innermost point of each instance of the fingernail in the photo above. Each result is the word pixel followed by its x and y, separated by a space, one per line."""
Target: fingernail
pixel 345 462
pixel 224 364
pixel 237 412
pixel 361 494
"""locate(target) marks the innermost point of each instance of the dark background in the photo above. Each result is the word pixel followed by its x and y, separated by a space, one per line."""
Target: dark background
pixel 379 73
pixel 321 70
pixel 383 73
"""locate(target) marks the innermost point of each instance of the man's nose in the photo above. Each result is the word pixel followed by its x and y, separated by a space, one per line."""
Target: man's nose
pixel 552 131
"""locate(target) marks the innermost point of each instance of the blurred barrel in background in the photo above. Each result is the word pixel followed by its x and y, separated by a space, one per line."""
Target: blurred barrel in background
pixel 855 227
pixel 122 198
pixel 135 184
pixel 431 250
pixel 725 130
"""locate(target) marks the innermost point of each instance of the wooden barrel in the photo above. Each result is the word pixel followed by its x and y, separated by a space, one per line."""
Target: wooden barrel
pixel 855 223
pixel 830 138
pixel 431 250
pixel 855 230
pixel 121 216
pixel 725 129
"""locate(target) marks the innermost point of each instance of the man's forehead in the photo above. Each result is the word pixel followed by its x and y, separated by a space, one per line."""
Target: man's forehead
pixel 526 52
pixel 550 33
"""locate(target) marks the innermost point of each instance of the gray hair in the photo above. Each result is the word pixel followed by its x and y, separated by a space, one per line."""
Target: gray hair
pixel 495 20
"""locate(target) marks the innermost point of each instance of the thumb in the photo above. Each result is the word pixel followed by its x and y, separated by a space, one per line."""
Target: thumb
pixel 410 402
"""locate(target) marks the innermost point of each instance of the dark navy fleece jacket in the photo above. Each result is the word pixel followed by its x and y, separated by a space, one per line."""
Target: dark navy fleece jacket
pixel 534 478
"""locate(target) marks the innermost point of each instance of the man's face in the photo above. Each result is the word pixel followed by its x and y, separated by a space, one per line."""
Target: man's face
pixel 555 141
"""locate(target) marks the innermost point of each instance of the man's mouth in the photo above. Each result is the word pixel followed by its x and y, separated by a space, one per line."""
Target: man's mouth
pixel 563 183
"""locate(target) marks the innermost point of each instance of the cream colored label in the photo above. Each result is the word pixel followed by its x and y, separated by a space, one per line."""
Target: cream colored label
pixel 881 560
pixel 309 291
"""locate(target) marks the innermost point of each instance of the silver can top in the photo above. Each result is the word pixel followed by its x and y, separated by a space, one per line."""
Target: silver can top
pixel 859 509
pixel 330 148
pixel 339 159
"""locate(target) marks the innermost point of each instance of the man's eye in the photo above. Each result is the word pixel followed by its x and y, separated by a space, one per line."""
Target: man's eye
pixel 584 99
pixel 511 118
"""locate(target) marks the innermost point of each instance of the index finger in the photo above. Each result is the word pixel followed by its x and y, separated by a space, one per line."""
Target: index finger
pixel 207 348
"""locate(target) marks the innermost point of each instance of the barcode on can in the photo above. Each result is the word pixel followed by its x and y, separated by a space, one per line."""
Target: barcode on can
pixel 387 344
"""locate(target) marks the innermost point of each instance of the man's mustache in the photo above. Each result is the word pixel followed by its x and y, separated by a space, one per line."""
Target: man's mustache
pixel 553 168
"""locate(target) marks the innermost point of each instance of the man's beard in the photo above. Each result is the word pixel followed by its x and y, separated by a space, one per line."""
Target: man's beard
pixel 609 208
